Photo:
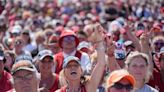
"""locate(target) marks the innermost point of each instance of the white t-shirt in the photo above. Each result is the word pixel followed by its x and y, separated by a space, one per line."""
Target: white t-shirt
pixel 146 88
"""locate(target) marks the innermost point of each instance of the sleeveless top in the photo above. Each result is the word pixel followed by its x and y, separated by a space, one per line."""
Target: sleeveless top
pixel 64 89
pixel 59 58
pixel 55 85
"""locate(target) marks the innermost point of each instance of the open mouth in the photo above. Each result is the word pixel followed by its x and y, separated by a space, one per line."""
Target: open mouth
pixel 72 73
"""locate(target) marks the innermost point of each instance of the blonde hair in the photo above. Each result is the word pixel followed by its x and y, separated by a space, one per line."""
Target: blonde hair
pixel 63 81
pixel 137 54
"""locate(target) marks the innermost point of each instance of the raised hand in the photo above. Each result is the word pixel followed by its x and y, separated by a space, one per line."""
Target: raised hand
pixel 97 34
pixel 110 46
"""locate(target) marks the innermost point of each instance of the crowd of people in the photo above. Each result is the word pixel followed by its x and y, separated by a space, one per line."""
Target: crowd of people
pixel 81 46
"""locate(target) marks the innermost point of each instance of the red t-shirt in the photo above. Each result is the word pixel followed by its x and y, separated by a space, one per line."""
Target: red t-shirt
pixel 156 81
pixel 5 82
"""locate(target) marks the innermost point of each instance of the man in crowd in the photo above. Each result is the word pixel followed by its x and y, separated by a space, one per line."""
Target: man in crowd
pixel 25 76
pixel 68 41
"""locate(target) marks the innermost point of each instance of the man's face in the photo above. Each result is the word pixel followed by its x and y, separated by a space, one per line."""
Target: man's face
pixel 25 81
pixel 69 42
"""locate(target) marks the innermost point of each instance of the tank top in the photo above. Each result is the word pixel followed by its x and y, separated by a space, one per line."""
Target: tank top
pixel 55 85
pixel 64 89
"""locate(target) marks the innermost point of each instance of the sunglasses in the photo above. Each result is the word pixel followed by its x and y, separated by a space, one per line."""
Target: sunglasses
pixel 120 86
pixel 159 43
pixel 69 38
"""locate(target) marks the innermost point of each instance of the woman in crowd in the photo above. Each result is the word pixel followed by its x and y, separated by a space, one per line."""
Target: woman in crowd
pixel 73 72
pixel 49 80
pixel 138 65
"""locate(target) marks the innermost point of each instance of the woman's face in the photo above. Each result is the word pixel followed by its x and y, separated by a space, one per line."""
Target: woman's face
pixel 45 65
pixel 73 71
pixel 138 68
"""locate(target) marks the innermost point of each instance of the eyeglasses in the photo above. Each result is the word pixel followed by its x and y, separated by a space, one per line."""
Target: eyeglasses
pixel 120 86
pixel 23 78
pixel 69 38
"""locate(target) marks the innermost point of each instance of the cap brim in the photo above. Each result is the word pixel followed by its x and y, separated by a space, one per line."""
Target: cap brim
pixel 69 60
pixel 79 48
pixel 46 55
pixel 128 77
pixel 23 68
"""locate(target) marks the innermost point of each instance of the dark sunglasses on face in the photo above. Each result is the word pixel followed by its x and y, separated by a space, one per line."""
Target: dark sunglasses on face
pixel 69 38
pixel 120 86
pixel 159 43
